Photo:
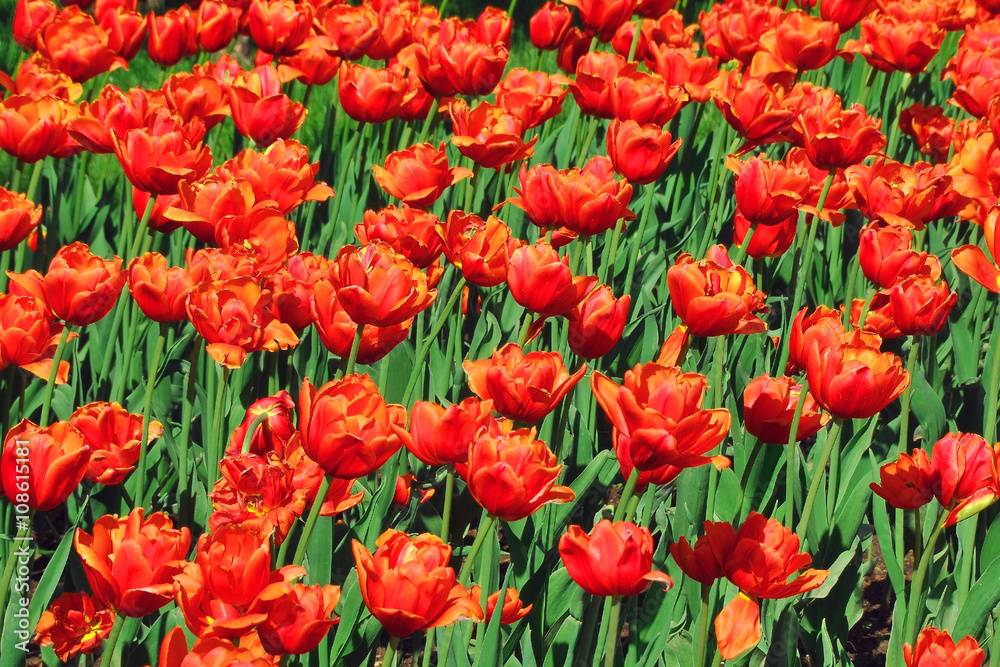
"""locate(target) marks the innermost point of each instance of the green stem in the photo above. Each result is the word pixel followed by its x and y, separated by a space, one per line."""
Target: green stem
pixel 389 659
pixel 449 492
pixel 640 231
pixel 185 441
pixel 993 395
pixel 23 534
pixel 254 425
pixel 143 231
pixel 791 468
pixel 217 437
pixel 715 182
pixel 154 366
pixel 863 317
pixel 425 344
pixel 614 632
pixel 894 132
pixel 317 506
pixel 701 651
pixel 807 253
pixel 355 346
pixel 112 642
pixel 626 497
pixel 904 400
pixel 832 439
pixel 917 583
pixel 585 148
pixel 470 187
pixel 125 373
pixel 485 528
pixel 635 40
pixel 522 336
pixel 53 374
pixel 36 174
pixel 850 287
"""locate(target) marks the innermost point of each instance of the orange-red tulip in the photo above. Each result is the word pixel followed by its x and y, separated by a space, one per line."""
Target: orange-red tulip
pixel 172 36
pixel 936 648
pixel 591 88
pixel 159 291
pixel 512 475
pixel 645 98
pixel 279 27
pixel 531 97
pixel 512 609
pixel 408 585
pixel 837 138
pixel 523 387
pixel 442 436
pixel 19 216
pixel 769 407
pixel 410 231
pixel 32 129
pixel 973 262
pixel 418 174
pixel 640 153
pixel 481 249
pixel 156 158
pixel 30 18
pixel 906 482
pixel 217 25
pixel 260 110
pixel 297 616
pixel 550 25
pixel 113 435
pixel 347 427
pixel 73 624
pixel 372 95
pixel 603 16
pixel 259 493
pixel 81 288
pixel 77 46
pixel 337 330
pixel 131 562
pixel 280 173
pixel 349 30
pixel 541 281
pixel 191 96
pixel 28 336
pixel 890 44
pixel 597 323
pixel 42 466
pixel 488 135
pixel 615 559
pixel 886 255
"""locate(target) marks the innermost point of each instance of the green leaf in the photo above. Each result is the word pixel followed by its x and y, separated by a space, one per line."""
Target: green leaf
pixel 984 596
pixel 927 406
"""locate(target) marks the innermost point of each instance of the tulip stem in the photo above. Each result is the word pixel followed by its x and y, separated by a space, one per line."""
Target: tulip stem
pixel 142 232
pixel 894 132
pixel 449 492
pixel 23 533
pixel 807 253
pixel 254 425
pixel 112 642
pixel 355 346
pixel 850 287
pixel 614 633
pixel 917 583
pixel 585 148
pixel 904 400
pixel 189 397
pixel 154 365
pixel 832 439
pixel 389 659
pixel 706 611
pixel 636 243
pixel 485 528
pixel 314 511
pixel 626 498
pixel 863 317
pixel 522 336
pixel 425 344
pixel 993 396
pixel 635 40
pixel 217 437
pixel 791 466
pixel 53 374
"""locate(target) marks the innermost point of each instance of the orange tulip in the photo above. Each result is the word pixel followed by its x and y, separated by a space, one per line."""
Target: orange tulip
pixel 752 108
pixel 191 96
pixel 769 406
pixel 442 436
pixel 172 36
pixel 30 18
pixel 32 129
pixel 769 192
pixel 645 97
pixel 28 336
pixel 297 616
pixel 73 624
pixel 395 32
pixel 260 110
pixel 337 330
pixel 512 475
pixel 886 256
pixel 131 562
pixel 488 135
pixel 217 25
pixel 159 291
pixel 541 281
pixel 597 323
pixel 603 16
pixel 473 64
pixel 531 97
pixel 347 427
pixel 280 173
pixel 936 648
pixel 41 467
pixel 408 585
pixel 615 559
pixel 523 387
pixel 837 138
pixel 659 425
pixel 279 27
pixel 481 249
pixel 235 318
pixel 264 234
pixel 418 174
pixel 79 287
pixel 410 231
pixel 640 153
pixel 854 379
pixel 18 218
pixel 714 297
pixel 919 307
pixel 113 435
pixel 259 493
pixel 512 609
pixel 906 482
pixel 549 25
pixel 973 262
pixel 377 286
pixel 157 157
pixel 733 31
pixel 77 46
pixel 349 31
pixel 591 88
pixel 372 95
pixel 891 44
pixel 36 77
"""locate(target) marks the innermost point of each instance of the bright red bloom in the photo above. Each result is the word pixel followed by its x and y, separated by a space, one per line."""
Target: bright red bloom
pixel 714 297
pixel 591 88
pixel 131 562
pixel 541 281
pixel 488 135
pixel 196 97
pixel 126 30
pixel 404 491
pixel 640 153
pixel 372 95
pixel 549 25
pixel 837 139
pixel 77 46
pixel 512 609
pixel 574 47
pixel 32 129
pixel 973 262
pixel 378 286
pixel 681 66
pixel 337 330
pixel 211 652
pixel 523 387
pixel 919 306
pixel 659 425
pixel 936 648
pixel 930 129
pixel 29 336
pixel 769 407
pixel 159 291
pixel 41 467
pixel 481 249
pixel 473 65
pixel 31 17
pixel 350 30
pixel 297 616
pixel 442 436
pixel 260 110
pixel 408 585
pixel 767 240
pixel 217 25
pixel 280 173
pixel 259 493
pixel 72 625
pixel 661 30
pixel 752 108
pixel 886 256
pixel 890 44
pixel 615 559
pixel 733 29
pixel 37 78
pixel 235 318
pixel 313 65
pixel 264 234
pixel 418 174
pixel 603 16
pixel 512 475
pixel 348 428
pixel 822 327
pixel 532 97
pixel 81 288
pixel 112 112
pixel 410 231
pixel 845 13
pixel 769 192
pixel 586 201
pixel 279 27
pixel 395 32
pixel 597 323
pixel 645 98
pixel 113 435
pixel 19 216
pixel 157 157
pixel 855 380
pixel 172 36
pixel 906 483
pixel 270 435
pixel 799 42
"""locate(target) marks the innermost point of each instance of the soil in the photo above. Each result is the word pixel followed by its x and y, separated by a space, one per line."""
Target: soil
pixel 868 641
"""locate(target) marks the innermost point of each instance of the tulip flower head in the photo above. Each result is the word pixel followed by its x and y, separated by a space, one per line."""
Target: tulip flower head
pixel 769 406
pixel 73 624
pixel 936 648
pixel 615 559
pixel 41 466
pixel 418 175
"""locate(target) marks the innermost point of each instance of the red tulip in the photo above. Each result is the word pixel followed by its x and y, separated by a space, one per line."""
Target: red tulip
pixel 73 624
pixel 615 559
pixel 769 406
pixel 936 648
pixel 41 466
pixel 418 175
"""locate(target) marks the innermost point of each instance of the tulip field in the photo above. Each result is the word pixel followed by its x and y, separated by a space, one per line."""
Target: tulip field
pixel 621 333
